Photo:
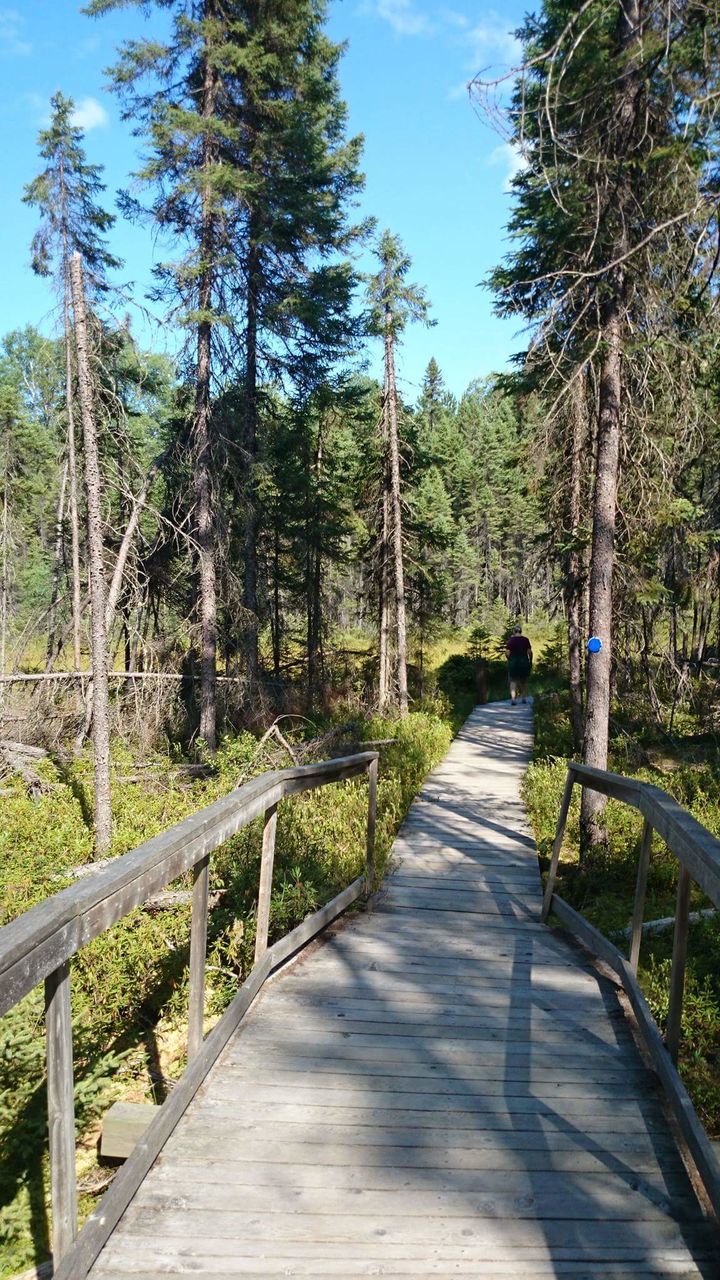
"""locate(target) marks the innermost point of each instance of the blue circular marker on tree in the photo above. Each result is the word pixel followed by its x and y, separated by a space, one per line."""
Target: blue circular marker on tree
pixel 594 644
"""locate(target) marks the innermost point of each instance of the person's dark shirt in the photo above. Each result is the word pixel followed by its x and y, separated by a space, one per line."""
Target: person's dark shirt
pixel 517 645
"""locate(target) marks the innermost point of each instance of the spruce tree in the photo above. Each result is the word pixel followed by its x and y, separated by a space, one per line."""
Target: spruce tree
pixel 612 116
pixel 393 304
pixel 253 173
pixel 66 194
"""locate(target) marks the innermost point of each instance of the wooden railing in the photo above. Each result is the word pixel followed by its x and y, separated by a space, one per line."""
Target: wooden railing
pixel 698 854
pixel 38 947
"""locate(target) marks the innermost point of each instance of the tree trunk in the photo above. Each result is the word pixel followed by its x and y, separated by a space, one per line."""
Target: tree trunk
pixel 599 673
pixel 384 593
pixel 93 494
pixel 72 469
pixel 250 628
pixel 597 715
pixel 573 577
pixel 396 524
pixel 57 566
pixel 202 449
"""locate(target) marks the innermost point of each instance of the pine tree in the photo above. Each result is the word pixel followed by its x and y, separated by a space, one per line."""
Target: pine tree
pixel 66 194
pixel 394 303
pixel 253 173
pixel 614 138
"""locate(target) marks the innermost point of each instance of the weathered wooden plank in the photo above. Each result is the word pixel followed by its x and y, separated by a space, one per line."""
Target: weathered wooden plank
pixel 609 1238
pixel 198 949
pixel 61 1110
pixel 123 1126
pixel 679 960
pixel 508 1113
pixel 640 889
pixel 569 1197
pixel 542 1135
pixel 266 877
pixel 195 1153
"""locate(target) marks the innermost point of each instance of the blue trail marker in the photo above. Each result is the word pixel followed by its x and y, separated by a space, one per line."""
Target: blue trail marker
pixel 594 644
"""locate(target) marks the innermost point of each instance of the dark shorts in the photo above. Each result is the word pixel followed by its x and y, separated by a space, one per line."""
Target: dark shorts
pixel 518 666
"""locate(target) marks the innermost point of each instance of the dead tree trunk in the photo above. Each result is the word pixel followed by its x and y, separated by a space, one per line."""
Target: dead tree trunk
pixel 201 437
pixel 384 586
pixel 98 593
pixel 57 566
pixel 396 521
pixel 72 471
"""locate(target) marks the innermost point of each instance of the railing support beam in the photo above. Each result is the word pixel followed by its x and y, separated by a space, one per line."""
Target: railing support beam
pixel 371 825
pixel 198 954
pixel 679 959
pixel 557 843
pixel 61 1110
pixel 266 877
pixel 640 890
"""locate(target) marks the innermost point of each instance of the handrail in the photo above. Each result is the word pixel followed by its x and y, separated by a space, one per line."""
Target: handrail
pixel 698 852
pixel 39 945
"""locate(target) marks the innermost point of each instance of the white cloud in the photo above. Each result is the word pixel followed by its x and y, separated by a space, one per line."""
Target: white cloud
pixel 89 114
pixel 492 41
pixel 11 41
pixel 403 17
pixel 511 159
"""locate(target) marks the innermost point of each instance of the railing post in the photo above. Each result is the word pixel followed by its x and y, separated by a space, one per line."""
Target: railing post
pixel 371 824
pixel 61 1110
pixel 266 877
pixel 557 843
pixel 679 956
pixel 198 952
pixel 640 888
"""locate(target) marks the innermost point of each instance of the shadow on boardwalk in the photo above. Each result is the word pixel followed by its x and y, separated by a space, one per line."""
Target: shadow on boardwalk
pixel 442 1087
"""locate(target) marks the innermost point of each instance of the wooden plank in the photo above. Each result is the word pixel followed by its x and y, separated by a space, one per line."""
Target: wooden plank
pixel 609 1238
pixel 679 960
pixel 198 949
pixel 569 1197
pixel 371 825
pixel 629 1116
pixel 61 1111
pixel 640 889
pixel 557 843
pixel 123 1126
pixel 266 878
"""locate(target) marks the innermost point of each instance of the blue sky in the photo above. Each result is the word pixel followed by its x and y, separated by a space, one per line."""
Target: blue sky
pixel 436 173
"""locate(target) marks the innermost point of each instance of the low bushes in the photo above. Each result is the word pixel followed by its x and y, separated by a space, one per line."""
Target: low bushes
pixel 603 887
pixel 130 984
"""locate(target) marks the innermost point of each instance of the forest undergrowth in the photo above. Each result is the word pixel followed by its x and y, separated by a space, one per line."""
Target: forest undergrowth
pixel 130 984
pixel 688 768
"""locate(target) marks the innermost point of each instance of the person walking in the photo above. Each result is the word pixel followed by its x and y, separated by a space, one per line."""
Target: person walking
pixel 519 652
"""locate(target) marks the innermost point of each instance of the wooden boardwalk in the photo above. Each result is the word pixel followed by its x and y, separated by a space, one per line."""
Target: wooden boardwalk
pixel 442 1087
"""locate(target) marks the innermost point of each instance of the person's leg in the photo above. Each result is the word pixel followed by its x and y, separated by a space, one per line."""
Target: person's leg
pixel 522 689
pixel 513 690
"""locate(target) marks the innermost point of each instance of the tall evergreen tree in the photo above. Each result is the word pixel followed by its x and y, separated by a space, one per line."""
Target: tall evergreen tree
pixel 611 115
pixel 393 304
pixel 66 194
